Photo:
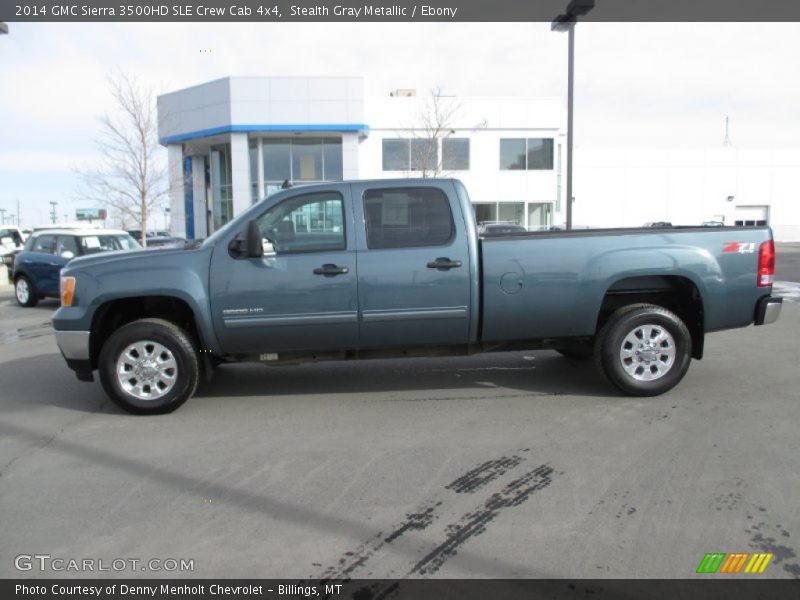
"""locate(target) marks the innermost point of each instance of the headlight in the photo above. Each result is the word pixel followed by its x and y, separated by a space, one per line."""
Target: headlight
pixel 67 290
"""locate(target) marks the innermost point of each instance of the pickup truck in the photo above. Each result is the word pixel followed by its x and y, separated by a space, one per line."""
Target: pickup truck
pixel 396 268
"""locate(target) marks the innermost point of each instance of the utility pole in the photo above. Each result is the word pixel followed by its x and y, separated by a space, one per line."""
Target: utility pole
pixel 2 216
pixel 53 205
pixel 566 22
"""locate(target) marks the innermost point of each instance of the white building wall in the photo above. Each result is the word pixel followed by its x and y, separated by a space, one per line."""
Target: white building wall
pixel 628 187
pixel 484 121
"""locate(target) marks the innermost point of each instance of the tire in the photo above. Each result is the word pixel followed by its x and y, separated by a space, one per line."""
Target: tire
pixel 24 292
pixel 655 366
pixel 157 364
pixel 576 353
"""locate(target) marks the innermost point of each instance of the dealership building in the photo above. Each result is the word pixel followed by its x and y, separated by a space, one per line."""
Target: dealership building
pixel 234 141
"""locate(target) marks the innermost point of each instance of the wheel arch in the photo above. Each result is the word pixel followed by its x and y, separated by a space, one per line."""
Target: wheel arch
pixel 113 314
pixel 676 293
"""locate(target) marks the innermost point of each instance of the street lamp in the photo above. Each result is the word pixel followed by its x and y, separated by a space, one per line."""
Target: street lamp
pixel 566 22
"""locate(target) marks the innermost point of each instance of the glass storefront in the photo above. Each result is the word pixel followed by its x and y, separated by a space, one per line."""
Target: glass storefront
pixel 296 160
pixel 221 184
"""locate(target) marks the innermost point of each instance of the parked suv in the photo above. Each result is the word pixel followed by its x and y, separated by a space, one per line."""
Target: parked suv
pixel 37 267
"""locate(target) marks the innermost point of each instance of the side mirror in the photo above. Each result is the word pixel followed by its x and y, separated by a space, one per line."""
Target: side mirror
pixel 7 241
pixel 68 254
pixel 254 246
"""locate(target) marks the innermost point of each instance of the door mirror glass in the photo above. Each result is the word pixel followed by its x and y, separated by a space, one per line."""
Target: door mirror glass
pixel 267 247
pixel 68 254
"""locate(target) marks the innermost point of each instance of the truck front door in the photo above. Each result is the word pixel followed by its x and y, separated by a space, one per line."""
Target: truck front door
pixel 413 266
pixel 303 296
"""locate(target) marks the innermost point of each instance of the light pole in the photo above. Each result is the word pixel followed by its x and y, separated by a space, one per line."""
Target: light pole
pixel 2 216
pixel 566 22
pixel 53 205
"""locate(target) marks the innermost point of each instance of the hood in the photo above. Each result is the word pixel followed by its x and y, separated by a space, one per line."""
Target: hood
pixel 155 255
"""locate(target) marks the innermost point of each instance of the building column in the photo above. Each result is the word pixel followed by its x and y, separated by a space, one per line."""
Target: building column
pixel 350 155
pixel 260 169
pixel 177 226
pixel 240 173
pixel 200 199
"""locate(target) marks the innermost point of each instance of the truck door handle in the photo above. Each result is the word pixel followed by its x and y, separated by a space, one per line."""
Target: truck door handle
pixel 443 263
pixel 330 270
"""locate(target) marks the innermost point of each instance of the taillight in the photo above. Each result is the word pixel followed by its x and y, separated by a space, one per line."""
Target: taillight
pixel 766 264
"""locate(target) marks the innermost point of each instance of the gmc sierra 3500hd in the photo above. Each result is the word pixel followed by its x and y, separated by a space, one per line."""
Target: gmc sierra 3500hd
pixel 384 268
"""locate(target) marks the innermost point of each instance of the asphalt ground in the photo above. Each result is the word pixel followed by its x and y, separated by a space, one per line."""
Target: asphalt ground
pixel 520 464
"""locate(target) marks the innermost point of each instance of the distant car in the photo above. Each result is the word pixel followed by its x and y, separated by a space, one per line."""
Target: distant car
pixel 495 228
pixel 37 267
pixel 713 224
pixel 11 242
pixel 657 224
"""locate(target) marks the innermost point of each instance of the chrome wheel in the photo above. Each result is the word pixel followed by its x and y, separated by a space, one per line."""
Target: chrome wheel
pixel 23 290
pixel 147 370
pixel 647 352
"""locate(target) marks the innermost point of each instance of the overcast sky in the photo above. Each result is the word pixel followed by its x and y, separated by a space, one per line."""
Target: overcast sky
pixel 637 84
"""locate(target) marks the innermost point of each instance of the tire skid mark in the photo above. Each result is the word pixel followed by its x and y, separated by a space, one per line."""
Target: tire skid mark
pixel 352 560
pixel 478 477
pixel 474 523
pixel 472 481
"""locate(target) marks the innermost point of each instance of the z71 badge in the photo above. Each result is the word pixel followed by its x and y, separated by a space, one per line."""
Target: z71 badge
pixel 739 247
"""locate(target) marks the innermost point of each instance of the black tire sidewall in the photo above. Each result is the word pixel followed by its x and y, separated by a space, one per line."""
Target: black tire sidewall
pixel 619 329
pixel 165 334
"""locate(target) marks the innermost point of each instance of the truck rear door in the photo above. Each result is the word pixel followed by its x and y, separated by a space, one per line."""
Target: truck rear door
pixel 413 265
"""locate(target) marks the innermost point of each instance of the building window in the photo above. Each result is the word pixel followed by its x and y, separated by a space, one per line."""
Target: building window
pixel 531 154
pixel 455 154
pixel 302 159
pixel 408 217
pixel 410 155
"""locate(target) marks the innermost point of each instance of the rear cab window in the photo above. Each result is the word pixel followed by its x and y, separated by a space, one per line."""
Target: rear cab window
pixel 407 217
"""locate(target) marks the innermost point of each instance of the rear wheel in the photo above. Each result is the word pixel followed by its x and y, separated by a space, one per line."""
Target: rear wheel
pixel 149 366
pixel 23 290
pixel 644 350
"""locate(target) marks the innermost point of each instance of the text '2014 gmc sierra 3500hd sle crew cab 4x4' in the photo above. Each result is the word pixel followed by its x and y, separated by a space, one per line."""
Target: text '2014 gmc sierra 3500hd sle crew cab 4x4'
pixel 385 268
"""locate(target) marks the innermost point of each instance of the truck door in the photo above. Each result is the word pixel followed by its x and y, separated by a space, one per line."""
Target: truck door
pixel 303 296
pixel 413 265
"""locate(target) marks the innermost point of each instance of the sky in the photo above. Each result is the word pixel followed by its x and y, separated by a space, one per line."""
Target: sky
pixel 637 84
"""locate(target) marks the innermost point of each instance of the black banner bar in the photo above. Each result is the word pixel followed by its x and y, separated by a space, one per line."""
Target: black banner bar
pixel 704 587
pixel 254 11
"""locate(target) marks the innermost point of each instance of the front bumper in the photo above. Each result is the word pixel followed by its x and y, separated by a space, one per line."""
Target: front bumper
pixel 767 310
pixel 74 346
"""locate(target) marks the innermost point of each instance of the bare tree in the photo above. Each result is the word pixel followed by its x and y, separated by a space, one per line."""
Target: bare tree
pixel 434 123
pixel 131 179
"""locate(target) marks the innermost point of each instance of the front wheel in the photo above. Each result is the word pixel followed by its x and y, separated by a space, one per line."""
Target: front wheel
pixel 23 290
pixel 149 367
pixel 644 350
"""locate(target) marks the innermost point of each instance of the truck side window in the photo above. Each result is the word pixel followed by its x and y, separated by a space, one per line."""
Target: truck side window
pixel 407 217
pixel 308 223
